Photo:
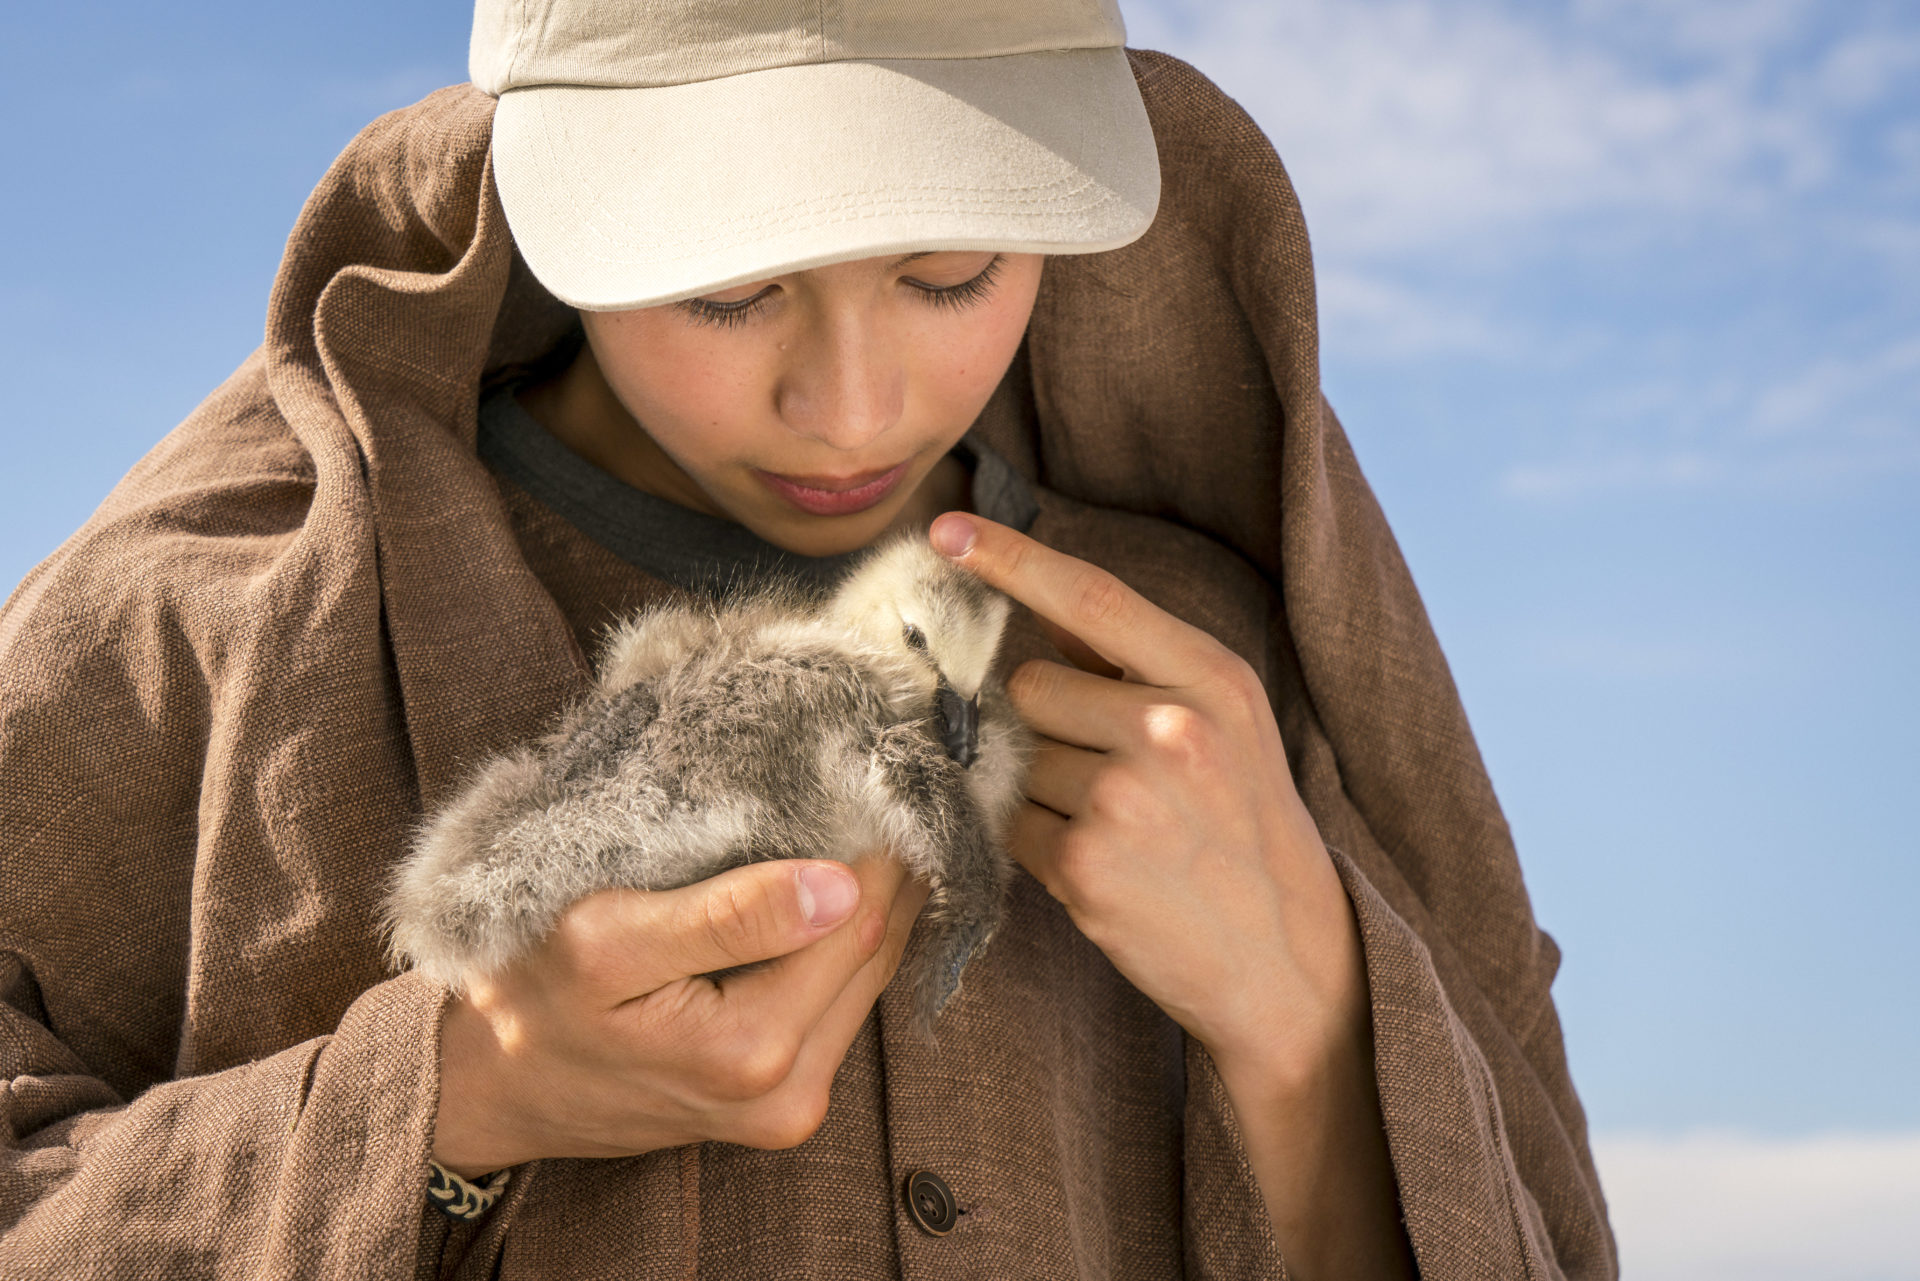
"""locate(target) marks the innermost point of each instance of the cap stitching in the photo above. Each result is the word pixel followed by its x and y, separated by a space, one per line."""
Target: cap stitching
pixel 793 209
pixel 783 215
pixel 851 213
pixel 519 43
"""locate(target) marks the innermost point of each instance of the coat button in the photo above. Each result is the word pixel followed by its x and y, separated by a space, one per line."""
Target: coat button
pixel 930 1203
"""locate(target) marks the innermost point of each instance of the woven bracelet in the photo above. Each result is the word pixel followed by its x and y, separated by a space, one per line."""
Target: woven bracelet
pixel 460 1199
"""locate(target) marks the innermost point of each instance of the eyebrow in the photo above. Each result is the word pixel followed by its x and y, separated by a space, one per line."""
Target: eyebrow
pixel 924 253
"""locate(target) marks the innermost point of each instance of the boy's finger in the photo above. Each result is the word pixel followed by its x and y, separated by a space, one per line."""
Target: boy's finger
pixel 1117 623
pixel 827 1040
pixel 743 915
pixel 796 990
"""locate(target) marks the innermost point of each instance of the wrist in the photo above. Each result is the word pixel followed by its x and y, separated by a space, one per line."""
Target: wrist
pixel 1309 1118
pixel 1300 1064
pixel 1283 1047
pixel 474 1132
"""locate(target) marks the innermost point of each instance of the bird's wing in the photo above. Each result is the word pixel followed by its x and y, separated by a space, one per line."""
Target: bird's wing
pixel 600 732
pixel 654 641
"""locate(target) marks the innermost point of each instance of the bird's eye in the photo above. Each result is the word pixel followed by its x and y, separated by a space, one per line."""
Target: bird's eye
pixel 916 638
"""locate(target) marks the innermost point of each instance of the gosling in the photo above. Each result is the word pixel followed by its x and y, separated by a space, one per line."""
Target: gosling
pixel 774 725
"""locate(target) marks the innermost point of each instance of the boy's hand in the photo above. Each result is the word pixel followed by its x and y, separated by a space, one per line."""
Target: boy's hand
pixel 606 1042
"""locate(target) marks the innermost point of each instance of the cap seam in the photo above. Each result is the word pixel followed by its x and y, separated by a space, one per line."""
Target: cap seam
pixel 805 62
pixel 727 228
pixel 519 44
pixel 791 209
pixel 796 211
pixel 854 213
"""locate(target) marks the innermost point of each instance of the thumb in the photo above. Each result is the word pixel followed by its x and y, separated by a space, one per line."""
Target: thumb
pixel 752 913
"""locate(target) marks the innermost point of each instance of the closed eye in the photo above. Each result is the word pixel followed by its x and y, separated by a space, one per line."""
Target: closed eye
pixel 967 291
pixel 728 314
pixel 724 314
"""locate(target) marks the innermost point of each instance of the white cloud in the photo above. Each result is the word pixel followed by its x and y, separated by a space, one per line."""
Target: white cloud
pixel 1808 401
pixel 1832 421
pixel 1570 478
pixel 1861 69
pixel 1410 126
pixel 1372 311
pixel 1809 471
pixel 1721 1207
pixel 1719 32
pixel 1456 161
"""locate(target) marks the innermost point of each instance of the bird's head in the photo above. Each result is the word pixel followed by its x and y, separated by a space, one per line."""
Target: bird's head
pixel 939 622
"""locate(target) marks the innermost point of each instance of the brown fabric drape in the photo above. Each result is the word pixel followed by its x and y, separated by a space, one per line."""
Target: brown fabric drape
pixel 301 617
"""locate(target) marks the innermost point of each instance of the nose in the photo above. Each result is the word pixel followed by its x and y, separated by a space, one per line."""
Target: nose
pixel 844 385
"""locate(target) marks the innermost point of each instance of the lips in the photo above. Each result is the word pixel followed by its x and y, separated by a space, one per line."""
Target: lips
pixel 834 495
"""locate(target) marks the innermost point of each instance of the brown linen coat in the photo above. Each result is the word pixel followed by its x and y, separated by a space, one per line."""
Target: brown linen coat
pixel 310 608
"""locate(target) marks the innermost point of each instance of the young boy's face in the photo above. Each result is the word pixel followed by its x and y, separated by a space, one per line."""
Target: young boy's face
pixel 813 407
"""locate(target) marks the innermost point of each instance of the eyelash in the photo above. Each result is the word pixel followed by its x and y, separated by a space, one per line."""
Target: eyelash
pixel 727 315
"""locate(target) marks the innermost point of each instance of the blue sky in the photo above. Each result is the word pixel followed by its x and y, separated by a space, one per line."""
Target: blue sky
pixel 1621 302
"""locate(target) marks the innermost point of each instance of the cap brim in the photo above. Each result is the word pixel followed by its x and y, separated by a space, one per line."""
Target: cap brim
pixel 622 198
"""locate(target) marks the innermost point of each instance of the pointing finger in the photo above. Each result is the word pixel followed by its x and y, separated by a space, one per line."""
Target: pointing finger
pixel 1077 651
pixel 1148 644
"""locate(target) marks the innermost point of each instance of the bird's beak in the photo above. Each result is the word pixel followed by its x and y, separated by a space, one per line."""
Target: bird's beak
pixel 960 725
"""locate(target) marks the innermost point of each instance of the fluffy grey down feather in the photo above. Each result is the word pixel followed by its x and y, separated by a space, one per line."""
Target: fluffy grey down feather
pixel 770 726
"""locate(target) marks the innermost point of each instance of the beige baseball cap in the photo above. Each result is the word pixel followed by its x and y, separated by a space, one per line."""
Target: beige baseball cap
pixel 653 150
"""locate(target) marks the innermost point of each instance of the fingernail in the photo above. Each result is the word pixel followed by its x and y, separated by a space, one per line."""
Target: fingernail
pixel 826 895
pixel 952 535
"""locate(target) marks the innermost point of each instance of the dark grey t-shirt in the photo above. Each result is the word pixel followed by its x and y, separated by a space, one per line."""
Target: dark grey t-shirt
pixel 684 547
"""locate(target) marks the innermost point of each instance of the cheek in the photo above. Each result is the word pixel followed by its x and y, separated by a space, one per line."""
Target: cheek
pixel 686 388
pixel 976 354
